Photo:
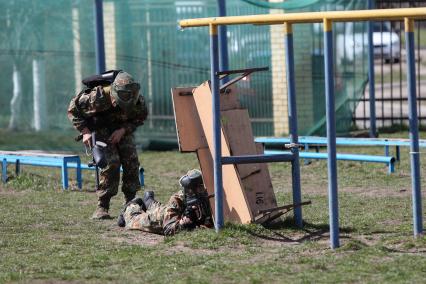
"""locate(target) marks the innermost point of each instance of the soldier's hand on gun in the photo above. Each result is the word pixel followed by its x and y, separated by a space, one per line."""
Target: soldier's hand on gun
pixel 87 137
pixel 117 135
pixel 185 222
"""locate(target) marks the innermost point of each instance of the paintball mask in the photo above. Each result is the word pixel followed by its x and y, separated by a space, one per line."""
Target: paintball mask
pixel 191 180
pixel 125 91
pixel 196 199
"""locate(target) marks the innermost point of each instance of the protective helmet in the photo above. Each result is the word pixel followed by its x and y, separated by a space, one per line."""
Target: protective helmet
pixel 192 179
pixel 125 91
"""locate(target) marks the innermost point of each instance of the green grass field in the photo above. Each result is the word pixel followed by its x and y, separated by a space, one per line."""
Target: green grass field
pixel 46 235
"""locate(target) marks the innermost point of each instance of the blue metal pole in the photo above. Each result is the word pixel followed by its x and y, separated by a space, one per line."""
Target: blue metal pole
pixel 217 157
pixel 414 128
pixel 250 159
pixel 371 83
pixel 99 36
pixel 331 135
pixel 223 42
pixel 4 171
pixel 292 120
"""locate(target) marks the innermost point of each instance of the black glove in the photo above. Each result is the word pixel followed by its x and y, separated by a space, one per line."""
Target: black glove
pixel 189 213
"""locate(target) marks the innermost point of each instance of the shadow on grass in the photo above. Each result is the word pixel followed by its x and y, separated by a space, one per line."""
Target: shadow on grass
pixel 311 232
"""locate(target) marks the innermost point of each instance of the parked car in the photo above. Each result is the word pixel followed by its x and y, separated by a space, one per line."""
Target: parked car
pixel 353 42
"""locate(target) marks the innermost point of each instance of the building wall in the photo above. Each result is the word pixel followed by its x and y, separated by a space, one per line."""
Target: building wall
pixel 303 80
pixel 279 81
pixel 110 36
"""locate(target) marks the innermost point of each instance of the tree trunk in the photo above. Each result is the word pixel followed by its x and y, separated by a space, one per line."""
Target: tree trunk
pixel 39 94
pixel 15 103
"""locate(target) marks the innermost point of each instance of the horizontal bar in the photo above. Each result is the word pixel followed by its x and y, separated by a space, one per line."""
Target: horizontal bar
pixel 389 99
pixel 310 17
pixel 70 165
pixel 250 159
pixel 389 118
pixel 343 157
pixel 37 160
pixel 290 206
pixel 239 71
pixel 34 155
pixel 340 141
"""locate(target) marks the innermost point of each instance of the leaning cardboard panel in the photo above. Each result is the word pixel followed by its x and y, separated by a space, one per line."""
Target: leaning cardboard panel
pixel 258 189
pixel 257 185
pixel 232 186
pixel 205 159
pixel 243 197
pixel 188 126
pixel 237 127
pixel 191 138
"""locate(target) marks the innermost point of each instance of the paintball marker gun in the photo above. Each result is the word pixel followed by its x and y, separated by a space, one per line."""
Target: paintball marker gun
pixel 196 199
pixel 97 150
pixel 98 156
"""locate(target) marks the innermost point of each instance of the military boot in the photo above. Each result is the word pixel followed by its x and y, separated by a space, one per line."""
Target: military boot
pixel 148 199
pixel 101 213
pixel 128 197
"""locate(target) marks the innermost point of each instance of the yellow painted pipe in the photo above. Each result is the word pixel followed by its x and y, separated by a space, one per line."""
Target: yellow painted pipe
pixel 409 25
pixel 310 17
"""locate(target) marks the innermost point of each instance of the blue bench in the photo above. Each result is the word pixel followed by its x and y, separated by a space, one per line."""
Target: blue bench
pixel 308 141
pixel 36 158
pixel 87 167
pixel 343 141
pixel 389 161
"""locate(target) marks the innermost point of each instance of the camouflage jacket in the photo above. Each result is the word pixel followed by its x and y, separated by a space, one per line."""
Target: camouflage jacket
pixel 159 218
pixel 172 213
pixel 93 109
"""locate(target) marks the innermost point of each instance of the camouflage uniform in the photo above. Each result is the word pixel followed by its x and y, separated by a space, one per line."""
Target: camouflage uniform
pixel 158 218
pixel 93 109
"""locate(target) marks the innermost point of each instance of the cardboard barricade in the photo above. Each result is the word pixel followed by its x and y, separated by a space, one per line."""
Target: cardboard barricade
pixel 247 187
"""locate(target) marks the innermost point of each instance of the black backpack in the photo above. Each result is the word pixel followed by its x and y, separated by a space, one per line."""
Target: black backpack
pixel 105 78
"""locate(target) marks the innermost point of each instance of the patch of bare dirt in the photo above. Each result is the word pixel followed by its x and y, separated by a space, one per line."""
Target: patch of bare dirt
pixel 133 237
pixel 181 248
pixel 378 192
pixel 52 281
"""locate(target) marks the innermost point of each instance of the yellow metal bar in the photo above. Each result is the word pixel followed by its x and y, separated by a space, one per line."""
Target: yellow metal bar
pixel 288 28
pixel 328 25
pixel 310 17
pixel 409 25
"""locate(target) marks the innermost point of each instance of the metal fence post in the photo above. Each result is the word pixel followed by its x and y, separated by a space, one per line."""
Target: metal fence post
pixel 371 83
pixel 331 135
pixel 99 36
pixel 217 158
pixel 223 42
pixel 292 119
pixel 414 130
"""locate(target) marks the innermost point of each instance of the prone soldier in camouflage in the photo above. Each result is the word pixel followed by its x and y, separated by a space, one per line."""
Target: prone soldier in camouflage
pixel 149 215
pixel 113 112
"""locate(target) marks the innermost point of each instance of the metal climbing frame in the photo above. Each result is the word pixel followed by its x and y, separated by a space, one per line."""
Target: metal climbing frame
pixel 408 15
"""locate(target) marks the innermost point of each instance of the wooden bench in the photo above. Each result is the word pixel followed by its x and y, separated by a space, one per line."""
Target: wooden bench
pixel 36 158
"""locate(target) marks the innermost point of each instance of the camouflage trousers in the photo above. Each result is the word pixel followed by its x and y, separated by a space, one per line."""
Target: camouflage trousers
pixel 123 154
pixel 158 218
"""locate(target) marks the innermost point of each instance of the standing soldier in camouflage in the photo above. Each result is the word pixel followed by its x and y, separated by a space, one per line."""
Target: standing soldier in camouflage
pixel 114 112
pixel 180 213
